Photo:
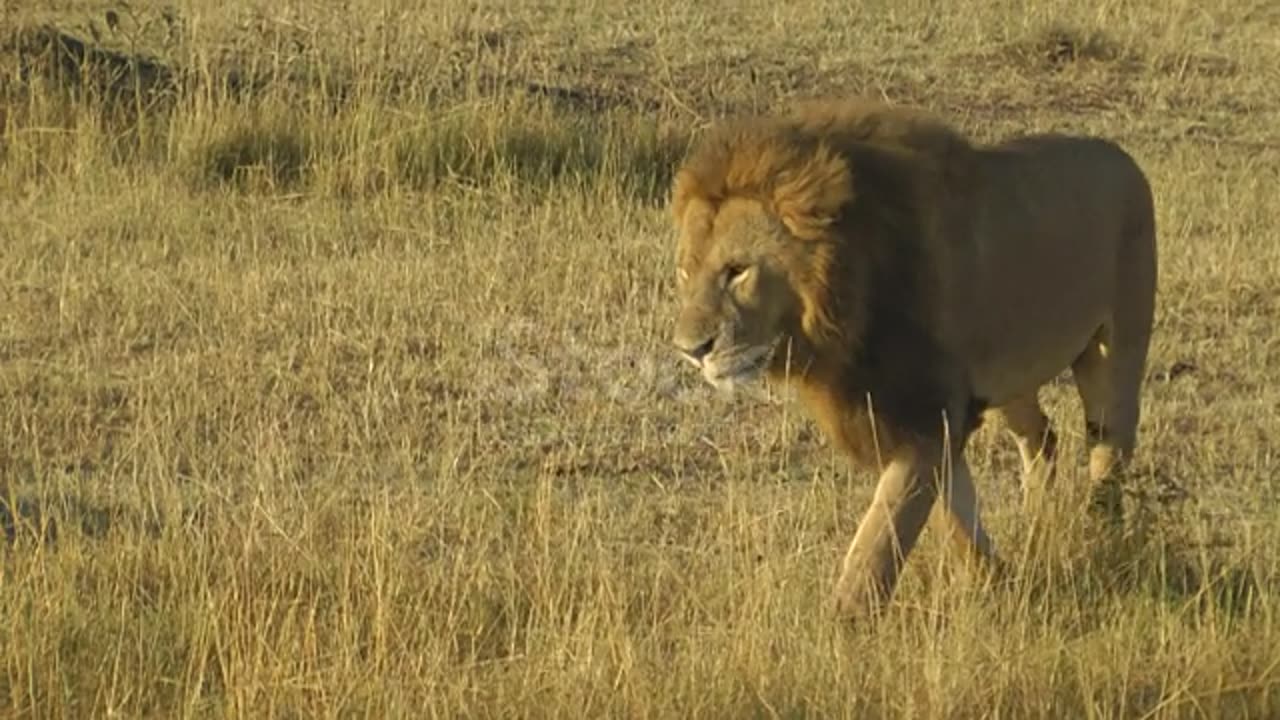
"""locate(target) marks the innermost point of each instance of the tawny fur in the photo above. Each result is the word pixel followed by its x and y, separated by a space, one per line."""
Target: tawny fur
pixel 907 281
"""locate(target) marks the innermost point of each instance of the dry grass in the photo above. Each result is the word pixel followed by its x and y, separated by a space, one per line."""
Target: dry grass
pixel 334 374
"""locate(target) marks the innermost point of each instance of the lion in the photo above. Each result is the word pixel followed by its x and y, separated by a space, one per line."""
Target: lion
pixel 909 283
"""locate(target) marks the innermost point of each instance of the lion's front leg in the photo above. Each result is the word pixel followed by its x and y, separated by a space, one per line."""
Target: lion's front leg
pixel 962 517
pixel 903 501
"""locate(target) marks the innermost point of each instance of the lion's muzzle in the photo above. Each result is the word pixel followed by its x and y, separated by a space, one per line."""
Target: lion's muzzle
pixel 725 365
pixel 696 352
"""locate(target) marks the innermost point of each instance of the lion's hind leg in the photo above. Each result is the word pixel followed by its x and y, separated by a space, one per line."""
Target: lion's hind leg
pixel 1108 376
pixel 1037 445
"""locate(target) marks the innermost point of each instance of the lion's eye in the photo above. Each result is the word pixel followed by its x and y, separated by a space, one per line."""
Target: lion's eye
pixel 733 273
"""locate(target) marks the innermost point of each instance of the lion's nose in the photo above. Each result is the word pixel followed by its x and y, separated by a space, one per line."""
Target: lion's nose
pixel 699 351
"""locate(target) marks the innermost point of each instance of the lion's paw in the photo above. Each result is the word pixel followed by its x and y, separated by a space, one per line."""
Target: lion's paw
pixel 859 601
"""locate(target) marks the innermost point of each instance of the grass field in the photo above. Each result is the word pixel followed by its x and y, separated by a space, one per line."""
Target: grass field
pixel 335 381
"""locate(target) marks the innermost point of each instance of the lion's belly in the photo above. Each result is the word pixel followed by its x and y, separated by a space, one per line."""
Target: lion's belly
pixel 1021 343
pixel 1008 372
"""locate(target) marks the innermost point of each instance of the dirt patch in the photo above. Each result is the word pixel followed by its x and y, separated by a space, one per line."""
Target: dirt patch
pixel 51 56
pixel 473 63
pixel 1057 46
pixel 256 157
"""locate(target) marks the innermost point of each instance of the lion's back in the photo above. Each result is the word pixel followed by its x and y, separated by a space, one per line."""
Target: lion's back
pixel 1062 165
pixel 1038 196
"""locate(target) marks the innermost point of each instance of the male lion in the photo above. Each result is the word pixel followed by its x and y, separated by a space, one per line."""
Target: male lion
pixel 907 283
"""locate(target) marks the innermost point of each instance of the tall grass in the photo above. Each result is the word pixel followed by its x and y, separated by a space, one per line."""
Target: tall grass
pixel 334 379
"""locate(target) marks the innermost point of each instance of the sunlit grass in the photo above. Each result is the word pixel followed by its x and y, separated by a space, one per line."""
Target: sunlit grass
pixel 335 378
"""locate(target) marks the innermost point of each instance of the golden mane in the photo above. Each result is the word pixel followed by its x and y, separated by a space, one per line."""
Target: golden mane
pixel 852 180
pixel 797 175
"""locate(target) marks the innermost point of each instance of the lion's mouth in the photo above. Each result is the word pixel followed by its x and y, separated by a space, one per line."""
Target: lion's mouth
pixel 737 368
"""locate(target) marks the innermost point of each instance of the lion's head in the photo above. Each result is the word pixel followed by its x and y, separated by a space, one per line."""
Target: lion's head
pixel 754 206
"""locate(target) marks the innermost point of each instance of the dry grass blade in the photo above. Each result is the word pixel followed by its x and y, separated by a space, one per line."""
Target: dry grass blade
pixel 335 379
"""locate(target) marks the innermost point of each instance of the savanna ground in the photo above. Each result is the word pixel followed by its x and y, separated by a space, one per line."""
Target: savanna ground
pixel 335 381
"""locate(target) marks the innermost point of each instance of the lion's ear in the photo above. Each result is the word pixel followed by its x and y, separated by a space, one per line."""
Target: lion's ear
pixel 683 189
pixel 809 198
pixel 689 202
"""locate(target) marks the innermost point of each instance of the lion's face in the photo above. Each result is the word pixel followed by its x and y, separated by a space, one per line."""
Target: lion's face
pixel 736 304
